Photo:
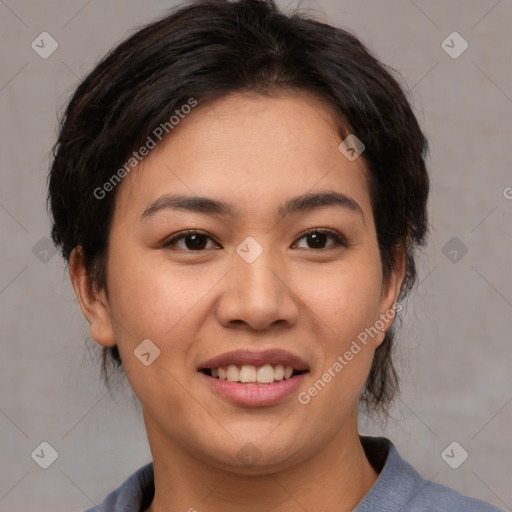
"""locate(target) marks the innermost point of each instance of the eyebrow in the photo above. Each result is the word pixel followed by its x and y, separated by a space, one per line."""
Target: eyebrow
pixel 299 204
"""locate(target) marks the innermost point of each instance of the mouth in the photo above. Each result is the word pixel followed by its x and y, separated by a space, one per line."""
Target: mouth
pixel 254 379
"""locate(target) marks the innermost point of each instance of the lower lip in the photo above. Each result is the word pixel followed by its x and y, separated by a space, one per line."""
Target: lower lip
pixel 254 395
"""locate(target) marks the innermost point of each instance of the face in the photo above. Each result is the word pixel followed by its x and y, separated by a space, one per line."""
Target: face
pixel 265 271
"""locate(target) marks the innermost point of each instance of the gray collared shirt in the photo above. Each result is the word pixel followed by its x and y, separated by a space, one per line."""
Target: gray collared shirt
pixel 399 488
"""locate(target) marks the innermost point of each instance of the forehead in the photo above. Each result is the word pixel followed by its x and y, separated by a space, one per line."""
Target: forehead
pixel 249 149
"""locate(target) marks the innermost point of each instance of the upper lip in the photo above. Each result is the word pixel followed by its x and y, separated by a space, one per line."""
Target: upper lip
pixel 255 358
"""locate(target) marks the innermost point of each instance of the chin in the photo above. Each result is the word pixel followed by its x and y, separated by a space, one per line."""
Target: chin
pixel 255 456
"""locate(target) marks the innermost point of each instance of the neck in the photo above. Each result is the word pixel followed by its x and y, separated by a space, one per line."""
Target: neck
pixel 340 474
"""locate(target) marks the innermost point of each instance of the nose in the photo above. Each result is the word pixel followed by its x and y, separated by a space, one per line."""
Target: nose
pixel 258 295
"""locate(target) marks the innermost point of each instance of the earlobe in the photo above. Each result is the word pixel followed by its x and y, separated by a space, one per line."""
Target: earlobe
pixel 93 302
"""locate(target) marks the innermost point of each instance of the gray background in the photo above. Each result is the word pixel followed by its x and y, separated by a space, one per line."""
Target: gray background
pixel 455 349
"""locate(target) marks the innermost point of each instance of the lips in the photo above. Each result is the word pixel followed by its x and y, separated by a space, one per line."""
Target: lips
pixel 254 378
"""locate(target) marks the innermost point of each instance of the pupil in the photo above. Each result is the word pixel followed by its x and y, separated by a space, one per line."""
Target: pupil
pixel 314 238
pixel 197 244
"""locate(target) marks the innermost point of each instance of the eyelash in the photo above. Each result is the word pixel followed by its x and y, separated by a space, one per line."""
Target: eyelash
pixel 339 240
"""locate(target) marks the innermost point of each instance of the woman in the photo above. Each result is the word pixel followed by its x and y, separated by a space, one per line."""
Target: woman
pixel 239 195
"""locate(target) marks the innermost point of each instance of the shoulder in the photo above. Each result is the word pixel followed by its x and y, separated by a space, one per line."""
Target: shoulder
pixel 400 487
pixel 444 499
pixel 131 495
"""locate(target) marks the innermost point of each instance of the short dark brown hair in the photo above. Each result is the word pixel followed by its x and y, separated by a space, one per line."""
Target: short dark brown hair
pixel 206 49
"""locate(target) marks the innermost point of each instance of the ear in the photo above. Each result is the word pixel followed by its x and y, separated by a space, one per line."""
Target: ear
pixel 93 303
pixel 389 296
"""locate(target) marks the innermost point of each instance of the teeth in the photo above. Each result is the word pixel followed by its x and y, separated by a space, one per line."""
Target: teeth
pixel 279 372
pixel 233 373
pixel 247 374
pixel 265 374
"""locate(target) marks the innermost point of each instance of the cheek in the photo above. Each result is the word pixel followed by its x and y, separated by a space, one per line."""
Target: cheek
pixel 346 304
pixel 147 304
pixel 151 299
pixel 347 298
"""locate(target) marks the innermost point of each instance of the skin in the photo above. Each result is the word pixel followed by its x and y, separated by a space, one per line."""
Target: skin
pixel 254 152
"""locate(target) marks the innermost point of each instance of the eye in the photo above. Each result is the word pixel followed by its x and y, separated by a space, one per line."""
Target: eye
pixel 197 241
pixel 317 239
pixel 193 241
